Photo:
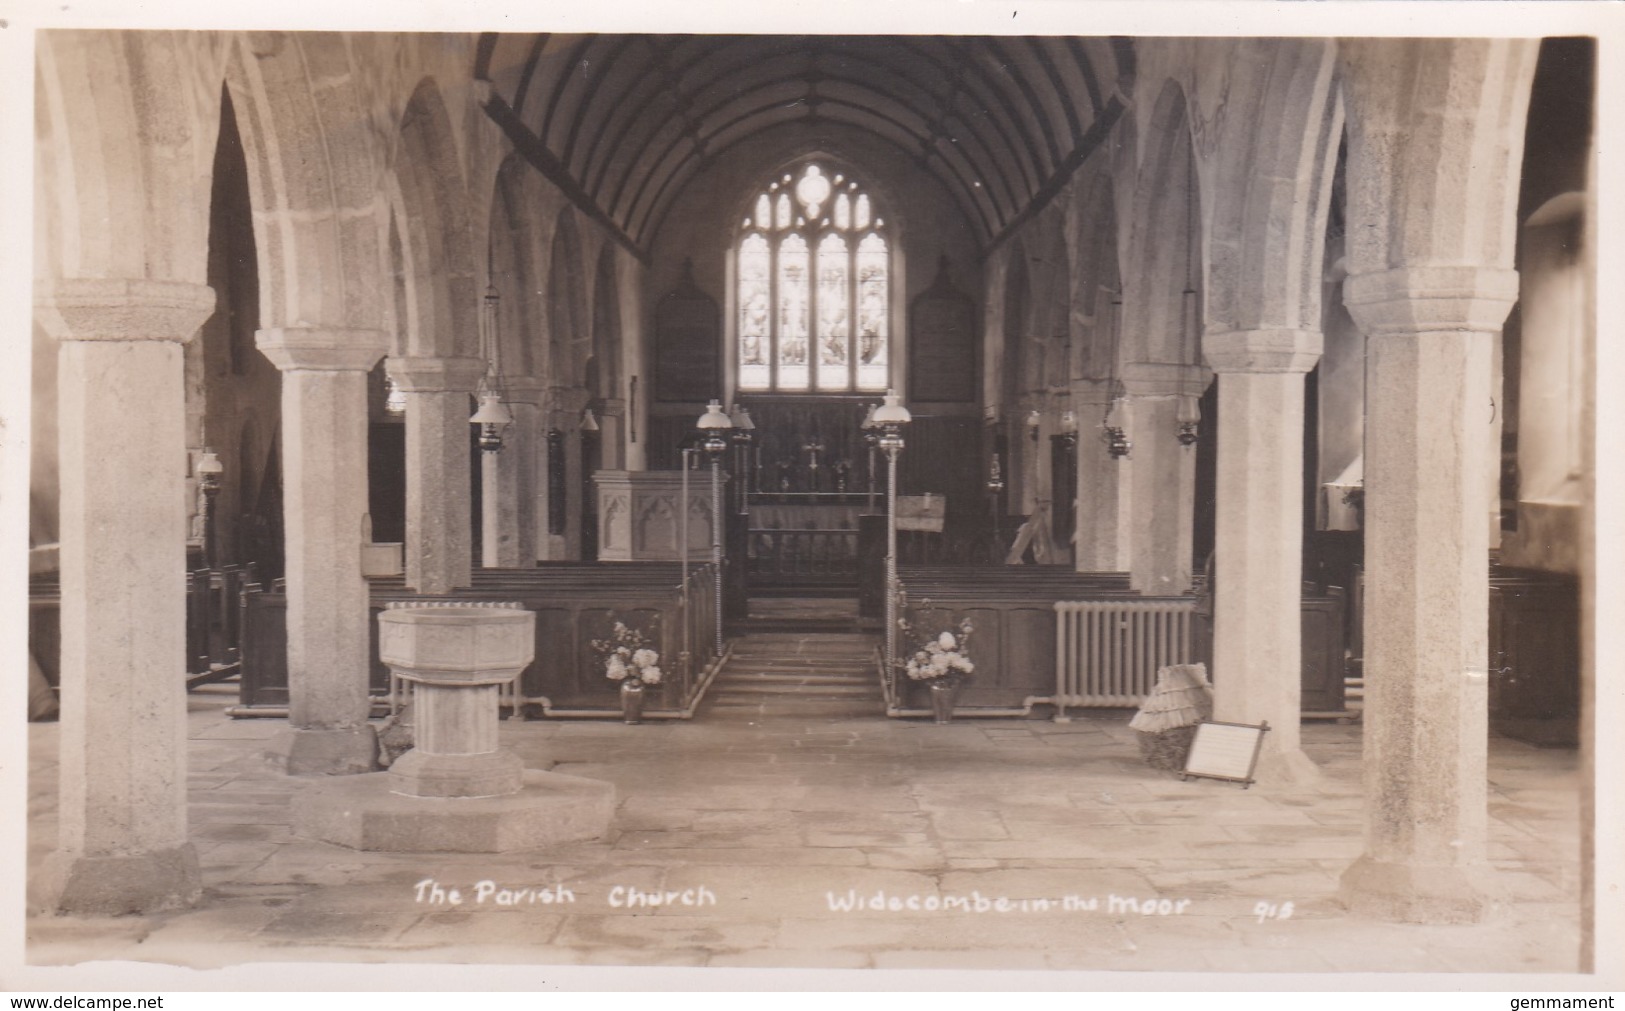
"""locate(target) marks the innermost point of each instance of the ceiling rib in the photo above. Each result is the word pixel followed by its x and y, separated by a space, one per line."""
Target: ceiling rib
pixel 621 123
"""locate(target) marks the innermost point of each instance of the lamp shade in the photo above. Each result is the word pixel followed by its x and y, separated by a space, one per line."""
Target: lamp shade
pixel 492 411
pixel 588 422
pixel 740 417
pixel 1069 421
pixel 869 418
pixel 1034 419
pixel 1190 410
pixel 1117 414
pixel 209 465
pixel 892 412
pixel 715 417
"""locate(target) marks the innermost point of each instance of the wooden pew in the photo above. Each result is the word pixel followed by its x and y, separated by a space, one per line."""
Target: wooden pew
pixel 1015 645
pixel 1534 657
pixel 575 604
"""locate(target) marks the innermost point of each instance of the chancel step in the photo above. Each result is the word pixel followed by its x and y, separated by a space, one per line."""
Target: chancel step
pixel 798 675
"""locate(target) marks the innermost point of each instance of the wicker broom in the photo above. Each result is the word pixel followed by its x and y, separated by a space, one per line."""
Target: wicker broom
pixel 1166 722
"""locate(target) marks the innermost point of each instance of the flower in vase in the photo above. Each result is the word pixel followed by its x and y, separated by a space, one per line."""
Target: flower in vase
pixel 645 658
pixel 651 674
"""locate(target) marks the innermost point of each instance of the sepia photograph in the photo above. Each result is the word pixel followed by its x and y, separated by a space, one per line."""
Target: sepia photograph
pixel 950 496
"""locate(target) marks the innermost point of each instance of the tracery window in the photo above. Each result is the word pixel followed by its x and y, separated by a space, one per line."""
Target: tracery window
pixel 814 288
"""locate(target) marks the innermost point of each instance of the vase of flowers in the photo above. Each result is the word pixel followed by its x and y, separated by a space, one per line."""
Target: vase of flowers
pixel 943 662
pixel 629 660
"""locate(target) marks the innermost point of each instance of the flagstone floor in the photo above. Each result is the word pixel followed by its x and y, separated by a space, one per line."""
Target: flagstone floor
pixel 834 839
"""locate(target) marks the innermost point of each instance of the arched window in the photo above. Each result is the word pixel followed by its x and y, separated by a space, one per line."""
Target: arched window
pixel 814 288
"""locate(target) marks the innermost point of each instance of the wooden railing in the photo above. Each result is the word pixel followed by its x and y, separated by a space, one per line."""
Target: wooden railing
pixel 788 553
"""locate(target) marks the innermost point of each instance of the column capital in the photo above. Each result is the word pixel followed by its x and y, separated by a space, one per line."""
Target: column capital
pixel 525 385
pixel 568 400
pixel 424 374
pixel 1092 391
pixel 322 349
pixel 1412 300
pixel 121 309
pixel 1262 351
pixel 1164 379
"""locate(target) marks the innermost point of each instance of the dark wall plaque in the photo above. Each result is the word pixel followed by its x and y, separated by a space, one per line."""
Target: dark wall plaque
pixel 688 344
pixel 942 343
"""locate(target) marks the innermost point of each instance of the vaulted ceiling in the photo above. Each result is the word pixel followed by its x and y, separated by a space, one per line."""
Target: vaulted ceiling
pixel 622 122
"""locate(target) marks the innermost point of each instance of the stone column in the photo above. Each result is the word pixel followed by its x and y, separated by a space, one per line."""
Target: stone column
pixel 439 513
pixel 1161 479
pixel 1427 588
pixel 324 479
pixel 567 404
pixel 612 421
pixel 510 483
pixel 1100 546
pixel 1258 554
pixel 122 845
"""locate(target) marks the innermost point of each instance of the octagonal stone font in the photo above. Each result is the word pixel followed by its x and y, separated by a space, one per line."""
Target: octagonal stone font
pixel 457 643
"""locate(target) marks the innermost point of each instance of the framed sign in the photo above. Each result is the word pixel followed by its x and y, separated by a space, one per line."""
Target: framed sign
pixel 1227 751
pixel 921 512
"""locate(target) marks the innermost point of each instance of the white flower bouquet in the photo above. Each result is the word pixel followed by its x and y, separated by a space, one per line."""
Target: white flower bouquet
pixel 628 658
pixel 946 656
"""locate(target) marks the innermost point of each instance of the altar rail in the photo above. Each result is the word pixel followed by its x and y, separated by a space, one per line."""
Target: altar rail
pixel 575 604
pixel 828 555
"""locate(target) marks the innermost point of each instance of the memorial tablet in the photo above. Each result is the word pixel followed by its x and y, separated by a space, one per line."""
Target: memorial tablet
pixel 1226 751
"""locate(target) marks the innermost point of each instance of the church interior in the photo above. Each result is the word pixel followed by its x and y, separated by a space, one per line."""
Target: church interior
pixel 543 469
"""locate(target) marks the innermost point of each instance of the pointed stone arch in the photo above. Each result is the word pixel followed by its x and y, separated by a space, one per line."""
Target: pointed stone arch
pixel 1164 243
pixel 320 224
pixel 435 200
pixel 569 336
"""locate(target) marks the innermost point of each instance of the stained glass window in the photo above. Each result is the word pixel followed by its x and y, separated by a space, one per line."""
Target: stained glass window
pixel 755 297
pixel 813 297
pixel 872 285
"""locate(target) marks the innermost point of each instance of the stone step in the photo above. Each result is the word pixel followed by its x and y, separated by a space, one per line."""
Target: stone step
pixel 854 691
pixel 767 678
pixel 798 674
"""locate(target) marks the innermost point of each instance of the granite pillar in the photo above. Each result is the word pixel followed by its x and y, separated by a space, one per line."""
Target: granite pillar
pixel 1258 553
pixel 324 479
pixel 122 842
pixel 1160 482
pixel 1427 589
pixel 439 513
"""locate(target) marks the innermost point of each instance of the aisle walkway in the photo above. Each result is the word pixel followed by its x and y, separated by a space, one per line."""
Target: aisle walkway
pixel 789 816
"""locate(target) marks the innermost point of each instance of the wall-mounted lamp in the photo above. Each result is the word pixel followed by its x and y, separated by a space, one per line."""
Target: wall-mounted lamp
pixel 1190 414
pixel 995 477
pixel 1114 433
pixel 492 417
pixel 588 422
pixel 1034 420
pixel 1069 428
